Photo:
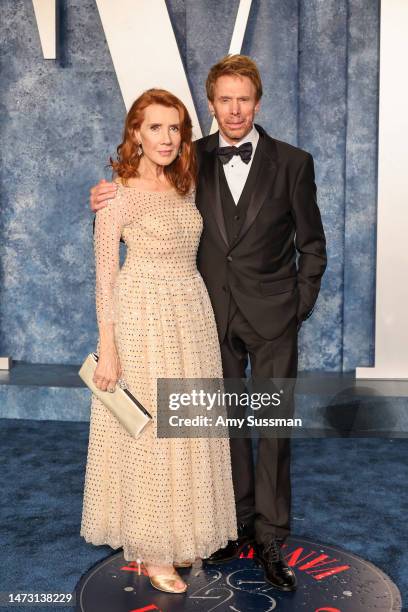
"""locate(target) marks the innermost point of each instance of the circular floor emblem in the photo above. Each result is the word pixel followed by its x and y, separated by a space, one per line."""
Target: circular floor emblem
pixel 329 580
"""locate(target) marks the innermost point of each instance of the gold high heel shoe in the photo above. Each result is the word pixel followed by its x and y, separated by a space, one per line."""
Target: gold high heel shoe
pixel 165 583
pixel 183 564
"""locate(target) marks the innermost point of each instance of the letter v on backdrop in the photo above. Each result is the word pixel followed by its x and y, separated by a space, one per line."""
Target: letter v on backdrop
pixel 132 33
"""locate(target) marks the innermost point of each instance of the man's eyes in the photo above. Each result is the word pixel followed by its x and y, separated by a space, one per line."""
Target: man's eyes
pixel 239 99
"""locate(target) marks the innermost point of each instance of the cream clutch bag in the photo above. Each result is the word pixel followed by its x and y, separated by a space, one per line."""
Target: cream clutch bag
pixel 123 405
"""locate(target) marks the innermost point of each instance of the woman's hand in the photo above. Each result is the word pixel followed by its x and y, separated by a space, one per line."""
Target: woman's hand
pixel 108 370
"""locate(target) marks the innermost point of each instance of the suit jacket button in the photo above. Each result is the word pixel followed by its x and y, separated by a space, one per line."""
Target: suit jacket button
pixel 229 258
pixel 225 288
pixel 236 217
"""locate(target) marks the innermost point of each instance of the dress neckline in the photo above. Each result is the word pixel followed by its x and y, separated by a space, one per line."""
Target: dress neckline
pixel 171 191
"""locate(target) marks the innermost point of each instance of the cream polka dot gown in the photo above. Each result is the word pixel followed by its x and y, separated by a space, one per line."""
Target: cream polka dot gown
pixel 162 500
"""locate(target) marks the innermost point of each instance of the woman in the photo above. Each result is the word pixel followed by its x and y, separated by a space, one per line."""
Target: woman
pixel 165 501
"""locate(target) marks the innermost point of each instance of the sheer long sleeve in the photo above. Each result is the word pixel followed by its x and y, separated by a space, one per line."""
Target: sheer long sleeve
pixel 108 228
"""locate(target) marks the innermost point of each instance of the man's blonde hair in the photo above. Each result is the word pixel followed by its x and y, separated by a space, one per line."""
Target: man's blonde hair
pixel 234 65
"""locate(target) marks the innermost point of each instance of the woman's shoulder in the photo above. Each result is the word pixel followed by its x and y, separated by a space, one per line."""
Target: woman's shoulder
pixel 191 195
pixel 118 180
pixel 122 190
pixel 120 183
pixel 129 201
pixel 116 207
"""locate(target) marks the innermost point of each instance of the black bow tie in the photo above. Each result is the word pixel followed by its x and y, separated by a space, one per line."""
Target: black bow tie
pixel 227 153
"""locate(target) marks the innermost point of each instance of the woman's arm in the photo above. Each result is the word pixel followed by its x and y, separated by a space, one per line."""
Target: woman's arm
pixel 108 227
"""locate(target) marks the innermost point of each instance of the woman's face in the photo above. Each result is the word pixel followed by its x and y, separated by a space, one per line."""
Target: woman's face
pixel 159 134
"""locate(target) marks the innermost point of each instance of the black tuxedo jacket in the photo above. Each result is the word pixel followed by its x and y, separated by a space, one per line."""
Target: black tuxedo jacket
pixel 273 267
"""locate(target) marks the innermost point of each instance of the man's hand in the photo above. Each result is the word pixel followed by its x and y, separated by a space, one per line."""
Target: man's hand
pixel 101 194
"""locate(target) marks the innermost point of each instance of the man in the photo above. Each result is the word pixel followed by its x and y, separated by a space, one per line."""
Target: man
pixel 257 197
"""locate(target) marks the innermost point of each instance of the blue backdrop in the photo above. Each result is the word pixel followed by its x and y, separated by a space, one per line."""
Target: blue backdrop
pixel 61 120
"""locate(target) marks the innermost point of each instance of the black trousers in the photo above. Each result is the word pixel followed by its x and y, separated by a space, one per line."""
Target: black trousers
pixel 262 491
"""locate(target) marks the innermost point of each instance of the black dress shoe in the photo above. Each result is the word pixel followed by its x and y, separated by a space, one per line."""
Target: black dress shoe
pixel 277 571
pixel 234 547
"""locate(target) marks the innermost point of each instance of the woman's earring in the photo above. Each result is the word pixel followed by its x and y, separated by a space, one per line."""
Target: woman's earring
pixel 140 150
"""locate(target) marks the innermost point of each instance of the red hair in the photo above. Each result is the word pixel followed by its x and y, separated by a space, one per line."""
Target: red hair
pixel 182 172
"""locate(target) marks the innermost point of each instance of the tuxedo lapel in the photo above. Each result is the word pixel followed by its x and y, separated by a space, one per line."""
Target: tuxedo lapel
pixel 260 180
pixel 210 185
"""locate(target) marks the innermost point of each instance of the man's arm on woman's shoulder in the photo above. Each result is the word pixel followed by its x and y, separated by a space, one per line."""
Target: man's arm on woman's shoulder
pixel 100 195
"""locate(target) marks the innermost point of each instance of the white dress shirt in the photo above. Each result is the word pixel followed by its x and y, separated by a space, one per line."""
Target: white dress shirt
pixel 236 171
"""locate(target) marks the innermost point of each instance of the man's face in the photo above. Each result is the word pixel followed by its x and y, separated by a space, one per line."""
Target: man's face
pixel 234 106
